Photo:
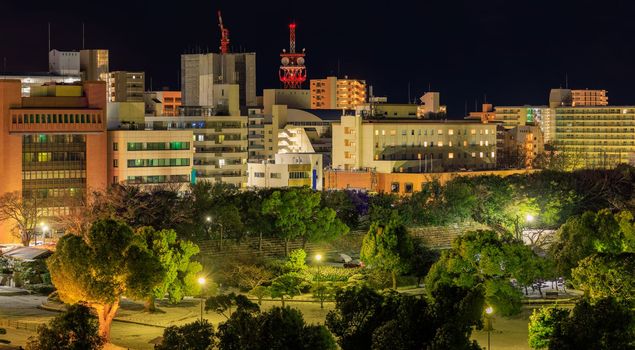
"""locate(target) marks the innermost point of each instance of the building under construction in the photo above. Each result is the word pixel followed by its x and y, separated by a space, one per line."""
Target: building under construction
pixel 200 72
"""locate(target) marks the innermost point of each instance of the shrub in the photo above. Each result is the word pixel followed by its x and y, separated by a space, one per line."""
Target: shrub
pixel 75 329
pixel 331 273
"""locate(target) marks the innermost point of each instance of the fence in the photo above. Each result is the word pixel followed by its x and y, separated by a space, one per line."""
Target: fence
pixel 29 326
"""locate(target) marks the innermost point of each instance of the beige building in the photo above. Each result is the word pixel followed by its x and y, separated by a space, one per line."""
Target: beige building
pixel 413 145
pixel 521 146
pixel 288 170
pixel 148 157
pixel 334 93
pixel 594 137
pixel 94 65
pixel 126 86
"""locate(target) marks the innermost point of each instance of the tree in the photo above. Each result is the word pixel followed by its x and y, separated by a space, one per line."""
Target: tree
pixel 22 211
pixel 287 285
pixel 296 261
pixel 259 292
pixel 602 232
pixel 198 335
pixel 280 328
pixel 325 291
pixel 603 275
pixel 175 256
pixel 297 214
pixel 422 259
pixel 388 247
pixel 342 203
pixel 607 324
pixel 478 258
pixel 223 304
pixel 75 329
pixel 542 324
pixel 366 319
pixel 101 267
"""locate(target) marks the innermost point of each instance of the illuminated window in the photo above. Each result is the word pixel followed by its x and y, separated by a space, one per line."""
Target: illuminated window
pixel 472 132
pixel 493 154
pixel 486 131
pixel 383 132
pixel 440 143
pixel 480 154
pixel 394 187
pixel 464 143
pixel 473 154
pixel 376 132
pixel 480 143
pixel 393 132
pixel 486 143
pixel 451 155
pixel 449 143
pixel 451 132
pixel 440 132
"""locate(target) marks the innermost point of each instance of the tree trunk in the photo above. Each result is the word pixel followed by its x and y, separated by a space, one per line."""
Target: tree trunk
pixel 105 314
pixel 25 238
pixel 304 243
pixel 394 280
pixel 149 304
pixel 282 300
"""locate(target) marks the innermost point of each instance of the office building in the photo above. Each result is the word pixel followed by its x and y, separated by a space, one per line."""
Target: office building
pixel 126 86
pixel 219 136
pixel 288 170
pixel 413 145
pixel 52 146
pixel 94 65
pixel 200 72
pixel 578 98
pixel 150 157
pixel 334 93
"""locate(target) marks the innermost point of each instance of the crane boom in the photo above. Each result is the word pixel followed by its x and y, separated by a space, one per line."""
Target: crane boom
pixel 224 32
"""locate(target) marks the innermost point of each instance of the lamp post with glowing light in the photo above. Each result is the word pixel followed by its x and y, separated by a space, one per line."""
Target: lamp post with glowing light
pixel 201 281
pixel 488 317
pixel 318 258
pixel 528 219
pixel 45 229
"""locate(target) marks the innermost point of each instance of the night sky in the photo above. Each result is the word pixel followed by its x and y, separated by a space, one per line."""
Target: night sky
pixel 513 51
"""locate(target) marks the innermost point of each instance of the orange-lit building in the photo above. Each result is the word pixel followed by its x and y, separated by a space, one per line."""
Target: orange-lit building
pixel 586 98
pixel 52 146
pixel 162 103
pixel 397 183
pixel 334 93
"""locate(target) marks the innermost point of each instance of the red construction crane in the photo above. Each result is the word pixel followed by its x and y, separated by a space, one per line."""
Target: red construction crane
pixel 224 39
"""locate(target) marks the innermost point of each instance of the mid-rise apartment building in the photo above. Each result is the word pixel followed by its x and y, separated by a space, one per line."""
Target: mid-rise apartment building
pixel 594 137
pixel 165 103
pixel 521 146
pixel 413 145
pixel 126 86
pixel 334 93
pixel 588 98
pixel 52 146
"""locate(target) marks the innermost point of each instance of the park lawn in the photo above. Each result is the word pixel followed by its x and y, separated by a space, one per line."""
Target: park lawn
pixel 508 334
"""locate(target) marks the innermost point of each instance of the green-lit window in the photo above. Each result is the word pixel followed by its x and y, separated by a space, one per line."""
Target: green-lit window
pixel 135 146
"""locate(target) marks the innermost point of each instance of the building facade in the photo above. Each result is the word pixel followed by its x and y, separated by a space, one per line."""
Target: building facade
pixel 288 170
pixel 521 146
pixel 165 103
pixel 334 93
pixel 594 137
pixel 126 86
pixel 200 72
pixel 413 145
pixel 150 157
pixel 589 98
pixel 94 65
pixel 52 146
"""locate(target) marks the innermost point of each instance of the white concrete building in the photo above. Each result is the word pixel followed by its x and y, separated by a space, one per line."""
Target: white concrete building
pixel 289 170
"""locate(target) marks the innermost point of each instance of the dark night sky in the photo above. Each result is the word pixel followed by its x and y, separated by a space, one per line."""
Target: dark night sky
pixel 511 50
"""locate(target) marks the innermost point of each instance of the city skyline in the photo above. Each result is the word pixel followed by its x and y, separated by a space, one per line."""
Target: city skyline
pixel 512 53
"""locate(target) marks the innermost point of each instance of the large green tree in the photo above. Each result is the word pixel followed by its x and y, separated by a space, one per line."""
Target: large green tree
pixel 602 232
pixel 297 214
pixel 603 275
pixel 478 258
pixel 198 335
pixel 97 269
pixel 175 256
pixel 388 247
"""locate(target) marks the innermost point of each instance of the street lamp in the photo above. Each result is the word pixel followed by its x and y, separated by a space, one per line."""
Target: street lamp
pixel 201 281
pixel 488 317
pixel 528 219
pixel 45 229
pixel 318 258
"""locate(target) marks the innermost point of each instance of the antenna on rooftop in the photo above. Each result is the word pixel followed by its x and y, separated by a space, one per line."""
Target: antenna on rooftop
pixel 49 31
pixel 83 36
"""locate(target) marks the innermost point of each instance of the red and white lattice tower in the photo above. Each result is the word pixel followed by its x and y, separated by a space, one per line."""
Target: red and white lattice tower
pixel 292 69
